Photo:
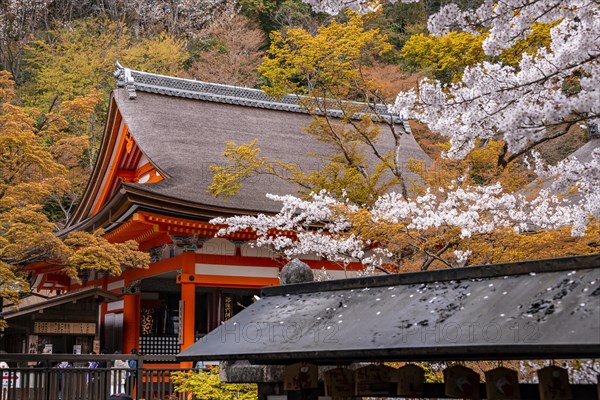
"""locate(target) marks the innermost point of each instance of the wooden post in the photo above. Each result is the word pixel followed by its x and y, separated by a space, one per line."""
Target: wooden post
pixel 188 297
pixel 131 322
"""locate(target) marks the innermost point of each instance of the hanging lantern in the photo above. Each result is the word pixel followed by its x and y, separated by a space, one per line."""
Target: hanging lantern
pixel 339 382
pixel 411 379
pixel 502 383
pixel 554 384
pixel 301 376
pixel 462 382
pixel 375 380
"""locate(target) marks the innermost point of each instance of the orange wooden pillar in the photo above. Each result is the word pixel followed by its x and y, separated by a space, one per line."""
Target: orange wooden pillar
pixel 131 322
pixel 188 298
pixel 101 334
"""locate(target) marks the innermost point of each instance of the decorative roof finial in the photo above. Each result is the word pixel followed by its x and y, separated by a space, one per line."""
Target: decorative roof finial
pixel 125 79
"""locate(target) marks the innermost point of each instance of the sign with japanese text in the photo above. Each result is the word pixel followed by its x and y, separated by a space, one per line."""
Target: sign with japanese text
pixel 227 307
pixel 180 323
pixel 69 328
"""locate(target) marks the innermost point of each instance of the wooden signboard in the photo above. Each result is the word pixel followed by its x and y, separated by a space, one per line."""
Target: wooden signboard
pixel 502 383
pixel 72 328
pixel 301 376
pixel 411 379
pixel 554 384
pixel 375 380
pixel 227 307
pixel 461 382
pixel 339 383
pixel 180 322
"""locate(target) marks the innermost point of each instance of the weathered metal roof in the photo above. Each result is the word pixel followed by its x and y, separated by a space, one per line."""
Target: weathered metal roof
pixel 528 310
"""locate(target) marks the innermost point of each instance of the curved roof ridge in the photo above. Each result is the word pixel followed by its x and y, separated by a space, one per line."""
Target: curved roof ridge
pixel 133 80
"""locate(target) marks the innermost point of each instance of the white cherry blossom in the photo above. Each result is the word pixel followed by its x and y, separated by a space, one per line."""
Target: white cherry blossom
pixel 526 105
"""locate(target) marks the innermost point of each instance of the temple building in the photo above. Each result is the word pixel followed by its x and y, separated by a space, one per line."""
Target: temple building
pixel 150 184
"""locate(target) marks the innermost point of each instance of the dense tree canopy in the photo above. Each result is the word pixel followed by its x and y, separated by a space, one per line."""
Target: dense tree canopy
pixel 206 384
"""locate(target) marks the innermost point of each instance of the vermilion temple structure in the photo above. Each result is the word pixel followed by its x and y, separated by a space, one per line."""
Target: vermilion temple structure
pixel 150 184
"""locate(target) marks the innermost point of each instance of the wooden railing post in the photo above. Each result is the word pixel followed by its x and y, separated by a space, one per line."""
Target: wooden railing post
pixel 47 382
pixel 138 376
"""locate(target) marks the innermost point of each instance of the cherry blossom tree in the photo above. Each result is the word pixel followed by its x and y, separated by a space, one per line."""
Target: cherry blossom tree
pixel 540 100
pixel 525 106
pixel 334 229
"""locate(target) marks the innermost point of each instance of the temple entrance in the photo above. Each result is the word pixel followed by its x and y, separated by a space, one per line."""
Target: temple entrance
pixel 160 312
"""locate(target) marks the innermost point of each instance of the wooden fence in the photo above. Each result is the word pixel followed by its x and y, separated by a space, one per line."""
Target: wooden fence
pixel 39 377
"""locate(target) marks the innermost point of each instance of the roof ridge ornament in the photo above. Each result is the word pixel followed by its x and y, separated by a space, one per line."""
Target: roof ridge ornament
pixel 125 79
pixel 133 80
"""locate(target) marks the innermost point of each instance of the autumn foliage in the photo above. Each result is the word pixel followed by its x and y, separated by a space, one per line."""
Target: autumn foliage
pixel 38 153
pixel 206 384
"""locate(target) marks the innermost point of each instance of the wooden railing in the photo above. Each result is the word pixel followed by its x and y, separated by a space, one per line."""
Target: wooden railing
pixel 38 377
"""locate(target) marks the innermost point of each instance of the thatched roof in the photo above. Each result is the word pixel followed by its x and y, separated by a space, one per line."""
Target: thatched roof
pixel 584 155
pixel 182 126
pixel 585 152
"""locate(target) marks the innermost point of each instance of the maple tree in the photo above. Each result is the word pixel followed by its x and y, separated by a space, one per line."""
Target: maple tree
pixel 446 56
pixel 80 58
pixel 22 20
pixel 34 168
pixel 326 64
